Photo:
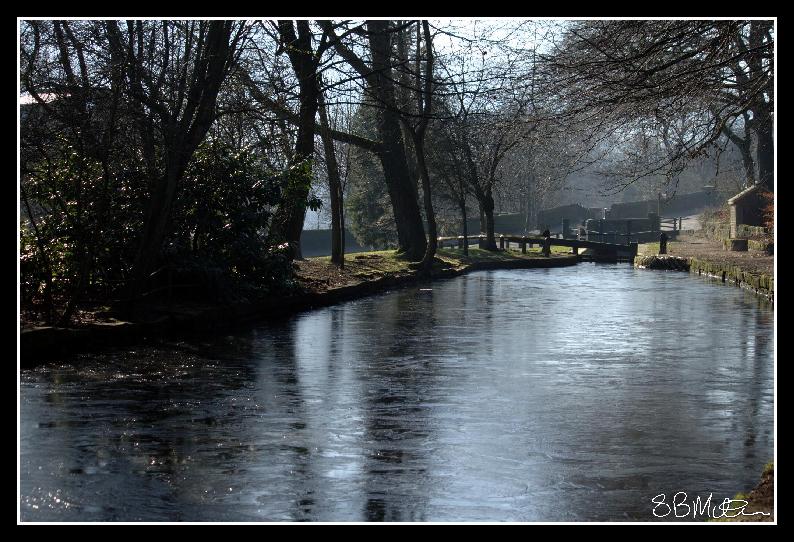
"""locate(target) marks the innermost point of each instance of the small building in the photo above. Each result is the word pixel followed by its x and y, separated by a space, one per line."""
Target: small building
pixel 745 208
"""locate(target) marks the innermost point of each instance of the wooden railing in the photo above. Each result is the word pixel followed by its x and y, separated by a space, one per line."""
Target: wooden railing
pixel 525 242
pixel 671 224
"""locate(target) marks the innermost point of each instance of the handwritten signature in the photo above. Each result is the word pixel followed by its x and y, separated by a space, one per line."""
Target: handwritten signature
pixel 680 507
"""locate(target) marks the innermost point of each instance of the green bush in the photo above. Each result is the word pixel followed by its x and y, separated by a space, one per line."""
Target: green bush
pixel 87 219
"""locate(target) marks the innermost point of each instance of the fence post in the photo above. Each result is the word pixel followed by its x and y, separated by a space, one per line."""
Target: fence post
pixel 655 224
pixel 501 241
pixel 523 244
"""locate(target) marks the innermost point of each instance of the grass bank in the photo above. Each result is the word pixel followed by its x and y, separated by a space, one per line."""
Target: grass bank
pixel 760 501
pixel 318 275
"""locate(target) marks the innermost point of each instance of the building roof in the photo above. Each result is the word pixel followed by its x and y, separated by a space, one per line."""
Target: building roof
pixel 744 193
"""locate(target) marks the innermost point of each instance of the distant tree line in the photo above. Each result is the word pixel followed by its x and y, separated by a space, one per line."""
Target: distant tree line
pixel 158 151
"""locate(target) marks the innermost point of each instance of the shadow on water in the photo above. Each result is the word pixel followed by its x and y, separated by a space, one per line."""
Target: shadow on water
pixel 399 377
pixel 561 394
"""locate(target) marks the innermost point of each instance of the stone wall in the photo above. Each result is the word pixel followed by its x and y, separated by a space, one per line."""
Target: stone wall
pixel 621 226
pixel 761 284
pixel 744 231
pixel 318 243
pixel 764 246
pixel 575 214
pixel 679 204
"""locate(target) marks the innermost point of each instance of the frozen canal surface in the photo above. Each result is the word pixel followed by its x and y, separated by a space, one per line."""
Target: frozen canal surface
pixel 572 394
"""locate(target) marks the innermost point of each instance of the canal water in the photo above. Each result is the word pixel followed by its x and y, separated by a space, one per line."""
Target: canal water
pixel 572 394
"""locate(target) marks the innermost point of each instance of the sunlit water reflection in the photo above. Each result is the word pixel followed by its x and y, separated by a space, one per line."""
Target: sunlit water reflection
pixel 533 395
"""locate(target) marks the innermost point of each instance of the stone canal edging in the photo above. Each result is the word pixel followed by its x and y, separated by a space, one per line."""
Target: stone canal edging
pixel 38 344
pixel 761 284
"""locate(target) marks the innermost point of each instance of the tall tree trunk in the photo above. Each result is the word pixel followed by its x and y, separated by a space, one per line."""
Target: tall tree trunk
pixel 528 217
pixel 154 230
pixel 342 224
pixel 182 138
pixel 402 190
pixel 334 186
pixel 763 110
pixel 748 163
pixel 488 207
pixel 424 99
pixel 743 146
pixel 766 150
pixel 465 226
pixel 410 159
pixel 432 232
pixel 288 221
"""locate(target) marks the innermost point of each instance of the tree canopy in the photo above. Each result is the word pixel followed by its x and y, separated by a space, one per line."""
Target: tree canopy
pixel 191 148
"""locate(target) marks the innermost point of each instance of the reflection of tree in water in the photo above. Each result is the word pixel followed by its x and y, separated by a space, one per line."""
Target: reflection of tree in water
pixel 486 305
pixel 287 474
pixel 757 326
pixel 399 379
pixel 748 331
pixel 329 415
pixel 174 427
pixel 403 378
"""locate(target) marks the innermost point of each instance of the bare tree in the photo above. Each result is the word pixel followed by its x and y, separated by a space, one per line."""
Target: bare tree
pixel 614 76
pixel 288 223
pixel 380 91
pixel 174 69
pixel 415 121
pixel 335 187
